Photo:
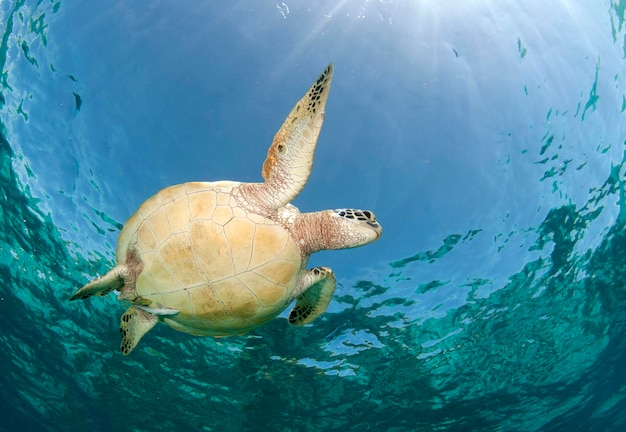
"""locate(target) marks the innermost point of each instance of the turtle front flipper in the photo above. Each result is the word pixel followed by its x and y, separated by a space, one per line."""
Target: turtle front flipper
pixel 290 157
pixel 134 324
pixel 113 280
pixel 319 284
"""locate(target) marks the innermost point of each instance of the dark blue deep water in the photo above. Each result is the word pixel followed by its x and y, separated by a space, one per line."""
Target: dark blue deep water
pixel 488 136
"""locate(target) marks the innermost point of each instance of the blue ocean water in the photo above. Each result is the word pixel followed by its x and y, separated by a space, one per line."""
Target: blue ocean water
pixel 488 137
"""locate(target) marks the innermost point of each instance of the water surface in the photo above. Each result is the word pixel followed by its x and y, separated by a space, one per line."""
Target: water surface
pixel 488 137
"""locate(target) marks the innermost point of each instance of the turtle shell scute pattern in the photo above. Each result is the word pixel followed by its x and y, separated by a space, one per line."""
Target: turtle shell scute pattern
pixel 225 269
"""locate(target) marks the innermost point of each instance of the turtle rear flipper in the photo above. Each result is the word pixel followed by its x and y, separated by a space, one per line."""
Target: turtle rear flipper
pixel 319 285
pixel 113 280
pixel 134 324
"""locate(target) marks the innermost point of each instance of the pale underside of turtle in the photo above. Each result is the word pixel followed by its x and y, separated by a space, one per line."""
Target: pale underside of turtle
pixel 222 258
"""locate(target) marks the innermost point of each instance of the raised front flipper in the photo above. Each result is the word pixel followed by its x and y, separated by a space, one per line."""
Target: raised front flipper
pixel 113 280
pixel 319 286
pixel 290 157
pixel 134 324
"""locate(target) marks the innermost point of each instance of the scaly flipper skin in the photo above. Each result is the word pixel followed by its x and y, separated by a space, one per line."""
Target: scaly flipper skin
pixel 290 157
pixel 319 285
pixel 133 325
pixel 113 280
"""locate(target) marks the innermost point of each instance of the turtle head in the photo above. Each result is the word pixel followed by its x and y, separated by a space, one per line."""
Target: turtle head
pixel 335 229
pixel 354 227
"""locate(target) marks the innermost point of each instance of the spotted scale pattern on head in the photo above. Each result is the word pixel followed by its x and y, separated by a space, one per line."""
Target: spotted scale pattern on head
pixel 361 215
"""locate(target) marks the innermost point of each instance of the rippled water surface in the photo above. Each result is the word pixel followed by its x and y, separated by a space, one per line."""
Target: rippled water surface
pixel 488 136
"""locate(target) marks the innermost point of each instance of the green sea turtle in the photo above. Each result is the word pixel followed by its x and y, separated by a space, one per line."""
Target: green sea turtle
pixel 224 257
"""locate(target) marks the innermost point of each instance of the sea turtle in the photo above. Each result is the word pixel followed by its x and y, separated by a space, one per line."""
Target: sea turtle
pixel 224 257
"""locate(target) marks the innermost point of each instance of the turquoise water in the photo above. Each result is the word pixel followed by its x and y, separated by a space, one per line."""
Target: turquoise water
pixel 488 137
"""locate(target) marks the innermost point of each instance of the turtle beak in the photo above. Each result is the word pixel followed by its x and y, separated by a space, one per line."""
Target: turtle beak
pixel 377 229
